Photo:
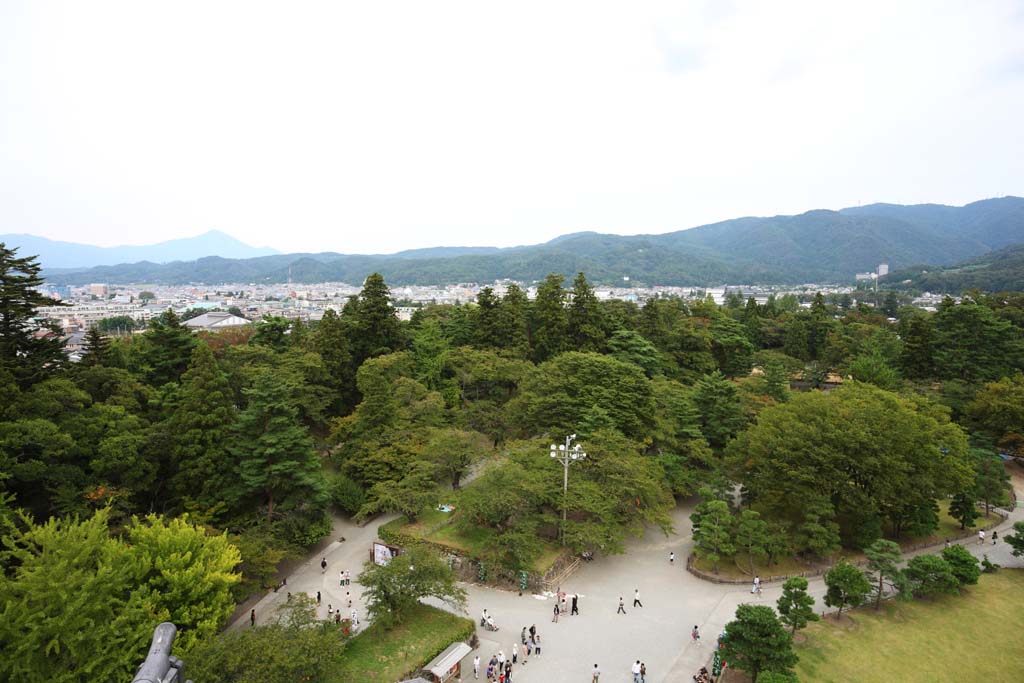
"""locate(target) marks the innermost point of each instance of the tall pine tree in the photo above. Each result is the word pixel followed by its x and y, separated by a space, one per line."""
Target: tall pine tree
pixel 584 317
pixel 549 323
pixel 28 351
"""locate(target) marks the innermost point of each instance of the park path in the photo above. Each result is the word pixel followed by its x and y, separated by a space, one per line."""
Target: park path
pixel 658 633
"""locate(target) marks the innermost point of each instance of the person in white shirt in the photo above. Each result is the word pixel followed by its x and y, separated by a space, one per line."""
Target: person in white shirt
pixel 636 672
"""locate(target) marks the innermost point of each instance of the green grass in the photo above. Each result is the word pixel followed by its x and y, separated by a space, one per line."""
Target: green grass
pixel 438 527
pixel 385 656
pixel 971 637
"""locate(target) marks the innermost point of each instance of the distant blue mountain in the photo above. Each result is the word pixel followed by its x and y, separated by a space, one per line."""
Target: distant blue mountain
pixel 55 254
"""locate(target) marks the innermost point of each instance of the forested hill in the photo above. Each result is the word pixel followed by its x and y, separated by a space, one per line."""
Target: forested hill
pixel 817 246
pixel 997 271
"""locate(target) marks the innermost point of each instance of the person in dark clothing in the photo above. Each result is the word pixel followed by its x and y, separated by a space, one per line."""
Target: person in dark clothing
pixel 575 607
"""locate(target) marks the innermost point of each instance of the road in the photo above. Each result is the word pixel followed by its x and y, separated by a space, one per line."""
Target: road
pixel 657 633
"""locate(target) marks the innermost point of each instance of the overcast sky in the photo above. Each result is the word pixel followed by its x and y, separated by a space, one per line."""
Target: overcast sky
pixel 378 126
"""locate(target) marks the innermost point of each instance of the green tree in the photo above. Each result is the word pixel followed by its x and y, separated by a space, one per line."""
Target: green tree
pixel 190 574
pixel 430 352
pixel 751 535
pixel 118 324
pixel 998 409
pixel 991 480
pixel 488 319
pixel 331 339
pixel 454 451
pixel 377 330
pixel 585 325
pixel 883 560
pixel 417 572
pixel 294 645
pixel 631 347
pixel 972 344
pixel 1016 539
pixel 410 495
pixel 729 345
pixel 756 642
pixel 963 564
pixel 146 295
pixel 929 575
pixel 199 430
pixel 97 348
pixel 963 509
pixel 776 379
pixel 25 355
pixel 874 369
pixel 272 332
pixel 512 327
pixel 277 463
pixel 718 402
pixel 168 349
pixel 916 358
pixel 846 587
pixel 712 531
pixel 549 323
pixel 796 607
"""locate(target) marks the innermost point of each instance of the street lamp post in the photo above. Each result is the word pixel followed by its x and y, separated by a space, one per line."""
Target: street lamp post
pixel 565 454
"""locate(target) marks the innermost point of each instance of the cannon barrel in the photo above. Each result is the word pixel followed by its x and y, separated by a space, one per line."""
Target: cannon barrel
pixel 159 666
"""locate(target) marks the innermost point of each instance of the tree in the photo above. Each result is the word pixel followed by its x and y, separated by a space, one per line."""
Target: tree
pixel 972 344
pixel 168 349
pixel 718 402
pixel 27 356
pixel 454 451
pixel 1016 539
pixel 755 641
pixel 712 531
pixel 631 347
pixel 294 646
pixel 991 480
pixel 410 495
pixel 751 535
pixel 729 345
pixel 272 332
pixel 190 574
pixel 275 454
pixel 776 379
pixel 929 575
pixel 200 431
pixel 512 328
pixel 874 369
pixel 417 572
pixel 796 607
pixel 585 323
pixel 916 358
pixel 97 348
pixel 963 564
pixel 549 323
pixel 963 509
pixel 998 409
pixel 146 295
pixel 377 329
pixel 846 586
pixel 331 339
pixel 883 558
pixel 118 324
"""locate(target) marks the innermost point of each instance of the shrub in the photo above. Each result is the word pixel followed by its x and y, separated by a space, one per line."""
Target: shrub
pixel 346 493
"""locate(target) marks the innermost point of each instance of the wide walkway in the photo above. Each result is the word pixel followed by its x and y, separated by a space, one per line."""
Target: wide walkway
pixel 658 633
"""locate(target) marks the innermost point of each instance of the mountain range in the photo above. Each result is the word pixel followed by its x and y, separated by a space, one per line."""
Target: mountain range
pixel 816 246
pixel 57 254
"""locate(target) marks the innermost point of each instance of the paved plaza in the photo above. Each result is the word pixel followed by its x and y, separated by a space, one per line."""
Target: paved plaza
pixel 657 634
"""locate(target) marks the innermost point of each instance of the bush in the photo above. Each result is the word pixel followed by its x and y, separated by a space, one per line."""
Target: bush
pixel 304 527
pixel 930 575
pixel 346 494
pixel 963 565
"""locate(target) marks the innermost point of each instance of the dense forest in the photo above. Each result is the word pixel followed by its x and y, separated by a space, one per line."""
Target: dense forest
pixel 166 474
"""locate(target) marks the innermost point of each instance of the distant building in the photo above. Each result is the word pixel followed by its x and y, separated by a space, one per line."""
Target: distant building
pixel 98 290
pixel 883 269
pixel 215 320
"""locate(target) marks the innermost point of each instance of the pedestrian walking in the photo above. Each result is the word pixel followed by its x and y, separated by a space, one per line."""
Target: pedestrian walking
pixel 323 565
pixel 672 558
pixel 348 578
pixel 643 672
pixel 348 596
pixel 695 635
pixel 554 617
pixel 947 543
pixel 476 666
pixel 318 598
pixel 636 598
pixel 501 659
pixel 622 606
pixel 536 644
pixel 981 536
pixel 526 653
pixel 595 675
pixel 995 537
pixel 252 618
pixel 508 672
pixel 636 671
pixel 522 636
pixel 330 611
pixel 533 630
pixel 756 588
pixel 337 617
pixel 575 604
pixel 515 654
pixel 355 617
pixel 341 579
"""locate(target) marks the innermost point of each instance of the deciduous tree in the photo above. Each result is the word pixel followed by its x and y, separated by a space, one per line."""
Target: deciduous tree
pixel 417 572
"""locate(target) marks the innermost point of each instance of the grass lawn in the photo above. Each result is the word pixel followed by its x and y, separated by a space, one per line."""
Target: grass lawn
pixel 435 526
pixel 948 528
pixel 971 637
pixel 376 655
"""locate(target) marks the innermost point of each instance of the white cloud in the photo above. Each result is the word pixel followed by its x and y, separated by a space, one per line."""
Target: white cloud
pixel 369 127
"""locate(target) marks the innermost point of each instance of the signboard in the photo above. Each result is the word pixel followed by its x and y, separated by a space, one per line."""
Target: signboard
pixel 382 554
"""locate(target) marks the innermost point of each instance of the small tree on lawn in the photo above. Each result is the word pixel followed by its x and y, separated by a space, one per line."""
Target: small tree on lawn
pixel 963 510
pixel 415 573
pixel 883 558
pixel 796 607
pixel 847 587
pixel 930 575
pixel 712 533
pixel 1016 539
pixel 756 641
pixel 752 535
pixel 963 565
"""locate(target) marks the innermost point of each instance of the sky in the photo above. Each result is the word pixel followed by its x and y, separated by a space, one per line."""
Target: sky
pixel 371 127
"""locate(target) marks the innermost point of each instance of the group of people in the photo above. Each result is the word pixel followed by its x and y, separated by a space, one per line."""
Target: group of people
pixel 561 606
pixel 499 668
pixel 702 676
